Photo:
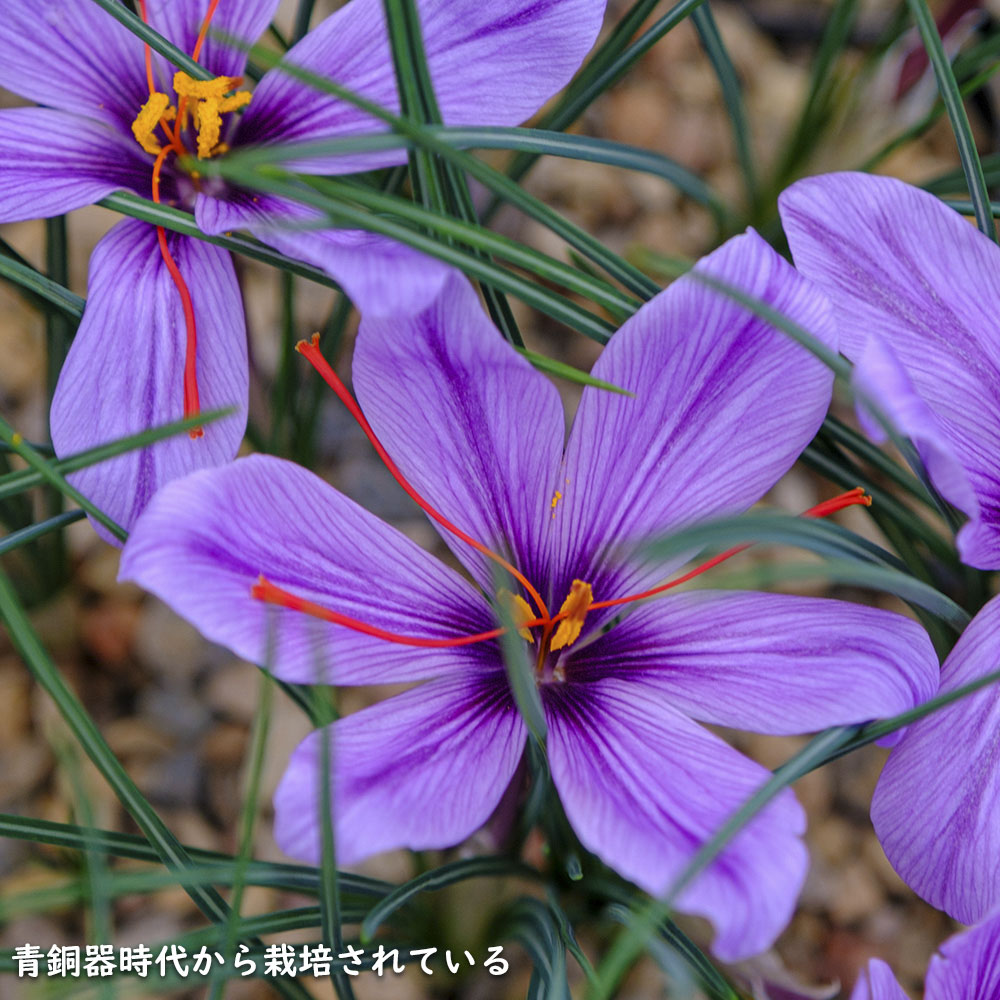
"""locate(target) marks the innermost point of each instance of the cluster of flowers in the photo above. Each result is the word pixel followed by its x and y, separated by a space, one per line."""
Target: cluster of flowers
pixel 265 558
pixel 278 960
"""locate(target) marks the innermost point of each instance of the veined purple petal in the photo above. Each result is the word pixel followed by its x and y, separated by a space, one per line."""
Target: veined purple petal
pixel 204 542
pixel 422 770
pixel 71 55
pixel 471 424
pixel 880 377
pixel 491 63
pixel 968 966
pixel 55 161
pixel 899 265
pixel 878 983
pixel 936 808
pixel 124 373
pixel 723 404
pixel 644 788
pixel 242 20
pixel 770 663
pixel 382 277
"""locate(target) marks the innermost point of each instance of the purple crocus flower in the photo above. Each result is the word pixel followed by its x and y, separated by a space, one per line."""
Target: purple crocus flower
pixel 967 967
pixel 916 291
pixel 143 356
pixel 721 406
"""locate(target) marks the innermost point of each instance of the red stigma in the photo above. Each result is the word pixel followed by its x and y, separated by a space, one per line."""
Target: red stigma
pixel 310 350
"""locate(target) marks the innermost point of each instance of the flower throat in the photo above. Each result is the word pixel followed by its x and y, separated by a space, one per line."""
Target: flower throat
pixel 556 631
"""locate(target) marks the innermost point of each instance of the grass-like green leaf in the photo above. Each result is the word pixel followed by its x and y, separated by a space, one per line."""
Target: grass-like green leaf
pixel 952 97
pixel 732 95
pixel 439 878
pixel 850 558
pixel 154 39
pixel 40 287
pixel 211 867
pixel 183 222
pixel 23 479
pixel 24 535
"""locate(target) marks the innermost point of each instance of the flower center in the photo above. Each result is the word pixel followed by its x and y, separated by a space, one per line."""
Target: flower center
pixel 205 101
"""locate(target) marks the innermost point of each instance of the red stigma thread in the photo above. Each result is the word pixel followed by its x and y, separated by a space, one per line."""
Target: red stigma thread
pixel 266 591
pixel 192 404
pixel 851 498
pixel 310 350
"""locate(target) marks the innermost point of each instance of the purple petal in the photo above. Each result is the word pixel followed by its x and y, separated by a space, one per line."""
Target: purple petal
pixel 881 377
pixel 471 424
pixel 878 983
pixel 124 373
pixel 382 277
pixel 936 808
pixel 968 966
pixel 422 770
pixel 55 161
pixel 71 55
pixel 771 663
pixel 901 266
pixel 723 404
pixel 205 541
pixel 491 63
pixel 644 788
pixel 242 20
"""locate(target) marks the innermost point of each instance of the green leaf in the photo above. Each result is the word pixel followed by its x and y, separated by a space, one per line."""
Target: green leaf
pixel 950 94
pixel 732 94
pixel 211 866
pixel 850 558
pixel 154 39
pixel 530 922
pixel 41 287
pixel 24 535
pixel 24 479
pixel 183 222
pixel 440 878
pixel 562 370
pixel 51 475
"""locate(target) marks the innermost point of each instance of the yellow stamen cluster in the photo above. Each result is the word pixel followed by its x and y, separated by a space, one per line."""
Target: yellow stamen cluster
pixel 210 103
pixel 205 100
pixel 157 108
pixel 575 607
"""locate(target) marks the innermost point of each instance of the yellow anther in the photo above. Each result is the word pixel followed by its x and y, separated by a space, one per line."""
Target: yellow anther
pixel 156 108
pixel 210 105
pixel 203 90
pixel 575 607
pixel 519 610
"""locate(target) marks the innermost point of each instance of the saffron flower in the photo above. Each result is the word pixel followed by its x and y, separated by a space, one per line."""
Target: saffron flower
pixel 967 967
pixel 263 555
pixel 915 291
pixel 163 334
